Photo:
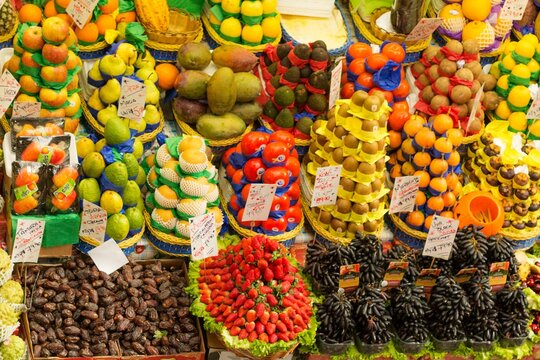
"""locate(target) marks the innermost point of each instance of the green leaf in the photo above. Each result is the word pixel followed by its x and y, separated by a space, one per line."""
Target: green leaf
pixel 193 7
pixel 136 36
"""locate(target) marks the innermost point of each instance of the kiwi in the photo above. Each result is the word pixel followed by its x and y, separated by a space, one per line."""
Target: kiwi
pixel 488 80
pixel 316 158
pixel 360 209
pixel 461 94
pixel 463 110
pixel 430 52
pixel 440 56
pixel 374 205
pixel 338 225
pixel 475 68
pixel 340 132
pixel 366 168
pixel 343 206
pixel 379 94
pixel 370 148
pixel 442 85
pixel 317 124
pixel 381 144
pixel 427 93
pixel 362 189
pixel 344 110
pixel 448 68
pixel 438 101
pixel 325 163
pixel 455 46
pixel 433 72
pixel 383 119
pixel 418 68
pixel 471 47
pixel 325 217
pixel 313 148
pixel 321 139
pixel 465 74
pixel 337 155
pixel 371 226
pixel 351 142
pixel 373 103
pixel 370 125
pixel 475 125
pixel 346 183
pixel 328 148
pixel 376 185
pixel 352 228
pixel 424 80
pixel 350 164
pixel 475 87
pixel 380 164
pixel 331 124
pixel 359 97
pixel 491 100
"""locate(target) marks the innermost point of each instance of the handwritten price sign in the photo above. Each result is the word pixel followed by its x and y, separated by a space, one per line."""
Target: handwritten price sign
pixel 80 11
pixel 534 110
pixel 335 84
pixel 132 97
pixel 424 29
pixel 93 221
pixel 441 237
pixel 202 232
pixel 476 104
pixel 404 194
pixel 27 243
pixel 9 88
pixel 513 9
pixel 259 202
pixel 24 109
pixel 326 186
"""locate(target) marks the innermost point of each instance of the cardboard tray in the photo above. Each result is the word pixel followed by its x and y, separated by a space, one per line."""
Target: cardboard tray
pixel 200 355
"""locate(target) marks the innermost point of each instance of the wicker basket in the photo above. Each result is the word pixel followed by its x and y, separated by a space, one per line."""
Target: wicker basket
pixel 246 354
pixel 100 129
pixel 404 234
pixel 182 28
pixel 94 51
pixel 128 245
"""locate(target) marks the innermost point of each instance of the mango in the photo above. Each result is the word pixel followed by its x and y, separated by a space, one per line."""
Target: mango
pixel 248 112
pixel 235 57
pixel 221 127
pixel 194 56
pixel 221 91
pixel 248 87
pixel 187 110
pixel 192 84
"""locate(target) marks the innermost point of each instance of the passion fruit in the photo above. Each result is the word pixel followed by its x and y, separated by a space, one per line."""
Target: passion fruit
pixel 442 85
pixel 465 74
pixel 447 68
pixel 427 93
pixel 488 80
pixel 461 94
pixel 439 101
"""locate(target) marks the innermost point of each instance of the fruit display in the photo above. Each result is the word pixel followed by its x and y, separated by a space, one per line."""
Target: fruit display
pixel 220 106
pixel 332 331
pixel 373 320
pixel 482 324
pixel 269 159
pixel 47 67
pixel 78 311
pixel 408 308
pixel 513 311
pixel 112 179
pixel 253 298
pixel 528 24
pixel 297 82
pixel 106 76
pixel 360 149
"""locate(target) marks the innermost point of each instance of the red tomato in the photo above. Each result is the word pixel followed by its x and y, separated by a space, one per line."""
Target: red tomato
pixel 402 90
pixel 276 175
pixel 253 142
pixel 293 166
pixel 283 136
pixel 254 169
pixel 234 203
pixel 294 215
pixel 245 192
pixel 344 78
pixel 230 171
pixel 237 177
pixel 347 90
pixel 278 225
pixel 227 155
pixel 400 106
pixel 376 61
pixel 387 94
pixel 248 224
pixel 365 80
pixel 357 66
pixel 397 119
pixel 280 203
pixel 394 51
pixel 294 191
pixel 294 153
pixel 360 50
pixel 343 66
pixel 276 153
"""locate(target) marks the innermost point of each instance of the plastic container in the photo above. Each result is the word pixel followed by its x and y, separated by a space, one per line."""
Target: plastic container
pixel 480 345
pixel 512 342
pixel 479 202
pixel 369 349
pixel 446 345
pixel 332 349
pixel 408 347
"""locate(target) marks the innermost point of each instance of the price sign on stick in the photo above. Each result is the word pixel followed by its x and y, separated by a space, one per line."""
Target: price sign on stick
pixel 326 186
pixel 202 232
pixel 404 194
pixel 476 104
pixel 108 257
pixel 395 273
pixel 335 84
pixel 132 98
pixel 498 273
pixel 81 10
pixel 440 239
pixel 427 279
pixel 9 87
pixel 513 9
pixel 424 29
pixel 93 221
pixel 259 202
pixel 534 110
pixel 25 109
pixel 349 276
pixel 27 243
pixel 465 275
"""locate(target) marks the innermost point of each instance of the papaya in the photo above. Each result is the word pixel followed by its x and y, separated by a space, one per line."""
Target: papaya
pixel 221 127
pixel 248 87
pixel 221 91
pixel 192 84
pixel 235 57
pixel 248 112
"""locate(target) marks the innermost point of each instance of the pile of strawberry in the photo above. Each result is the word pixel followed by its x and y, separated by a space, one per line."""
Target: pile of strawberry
pixel 255 292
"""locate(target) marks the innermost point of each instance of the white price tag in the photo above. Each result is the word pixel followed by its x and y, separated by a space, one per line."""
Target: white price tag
pixel 108 257
pixel 259 202
pixel 202 232
pixel 404 194
pixel 441 236
pixel 26 109
pixel 93 221
pixel 132 98
pixel 326 186
pixel 9 88
pixel 81 10
pixel 476 104
pixel 513 9
pixel 27 243
pixel 335 84
pixel 424 29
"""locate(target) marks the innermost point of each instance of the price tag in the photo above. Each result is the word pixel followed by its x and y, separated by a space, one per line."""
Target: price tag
pixel 534 110
pixel 26 109
pixel 202 232
pixel 427 279
pixel 440 239
pixel 475 105
pixel 465 275
pixel 108 257
pixel 404 194
pixel 349 277
pixel 335 83
pixel 81 10
pixel 259 202
pixel 27 243
pixel 93 221
pixel 424 29
pixel 395 273
pixel 513 9
pixel 9 88
pixel 498 273
pixel 132 98
pixel 326 186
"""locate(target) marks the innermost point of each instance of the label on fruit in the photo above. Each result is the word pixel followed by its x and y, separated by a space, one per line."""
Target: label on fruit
pixel 476 104
pixel 534 110
pixel 27 243
pixel 326 186
pixel 395 273
pixel 93 221
pixel 25 109
pixel 465 275
pixel 335 83
pixel 424 29
pixel 9 88
pixel 440 239
pixel 45 155
pixel 498 273
pixel 349 277
pixel 513 9
pixel 202 232
pixel 259 202
pixel 108 257
pixel 427 279
pixel 404 194
pixel 132 98
pixel 81 10
pixel 22 192
pixel 65 189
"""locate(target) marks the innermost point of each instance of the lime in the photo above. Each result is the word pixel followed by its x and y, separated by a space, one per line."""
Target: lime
pixel 135 217
pixel 132 193
pixel 93 165
pixel 117 227
pixel 111 202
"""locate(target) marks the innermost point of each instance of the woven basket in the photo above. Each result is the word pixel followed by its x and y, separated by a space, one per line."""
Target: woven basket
pixel 167 52
pixel 402 232
pixel 100 129
pixel 5 123
pixel 6 40
pixel 517 34
pixel 247 354
pixel 128 245
pixel 94 51
pixel 182 28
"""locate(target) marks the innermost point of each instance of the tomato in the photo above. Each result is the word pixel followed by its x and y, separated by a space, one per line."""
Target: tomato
pixel 343 66
pixel 245 192
pixel 347 90
pixel 281 203
pixel 375 62
pixel 365 80
pixel 276 153
pixel 387 94
pixel 344 78
pixel 283 136
pixel 397 119
pixel 227 155
pixel 293 166
pixel 254 169
pixel 294 215
pixel 400 106
pixel 357 66
pixel 234 203
pixel 402 90
pixel 276 175
pixel 238 177
pixel 278 225
pixel 253 142
pixel 360 50
pixel 294 191
pixel 248 224
pixel 394 51
pixel 230 171
pixel 294 153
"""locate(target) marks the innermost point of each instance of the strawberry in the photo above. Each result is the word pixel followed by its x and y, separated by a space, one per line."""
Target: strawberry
pixel 239 279
pixel 271 300
pixel 279 273
pixel 250 326
pixel 268 275
pixel 259 327
pixel 242 312
pixel 291 313
pixel 240 322
pixel 283 317
pixel 265 290
pixel 210 307
pixel 228 325
pixel 235 330
pixel 281 327
pixel 299 321
pixel 267 256
pixel 252 336
pixel 220 318
pixel 257 273
pixel 272 338
pixel 250 258
pixel 270 328
pixel 261 265
pixel 259 309
pixel 251 315
pixel 205 300
pixel 249 304
pixel 246 285
pixel 214 294
pixel 219 299
pixel 214 312
pixel 285 287
pixel 231 318
pixel 288 302
pixel 264 318
pixel 283 337
pixel 227 311
pixel 258 254
pixel 250 276
pixel 252 293
pixel 298 329
pixel 234 293
pixel 226 277
pixel 274 317
pixel 263 337
pixel 243 334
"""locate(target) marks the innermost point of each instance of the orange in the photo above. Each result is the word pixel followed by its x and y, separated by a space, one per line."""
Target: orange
pixel 49 9
pixel 376 61
pixel 415 218
pixel 392 159
pixel 66 18
pixel 420 198
pixel 399 156
pixel 357 66
pixel 435 203
pixel 166 75
pixel 407 169
pixel 425 138
pixel 452 180
pixel 111 6
pixel 443 145
pixel 422 160
pixel 457 189
pixel 427 222
pixel 413 126
pixel 447 214
pixel 438 166
pixel 424 178
pixel 407 147
pixel 438 184
pixel 89 33
pixel 360 50
pixel 105 22
pixel 30 13
pixel 455 136
pixel 395 171
pixel 449 199
pixel 129 16
pixel 442 123
pixel 62 3
pixel 454 158
pixel 395 139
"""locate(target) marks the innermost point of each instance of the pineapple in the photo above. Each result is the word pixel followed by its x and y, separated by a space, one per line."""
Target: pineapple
pixel 8 18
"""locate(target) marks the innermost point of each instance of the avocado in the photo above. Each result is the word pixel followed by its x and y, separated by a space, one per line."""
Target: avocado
pixel 285 119
pixel 319 44
pixel 275 81
pixel 300 94
pixel 284 96
pixel 267 61
pixel 283 50
pixel 319 80
pixel 306 72
pixel 304 125
pixel 286 62
pixel 302 51
pixel 272 69
pixel 292 75
pixel 270 110
pixel 319 54
pixel 317 102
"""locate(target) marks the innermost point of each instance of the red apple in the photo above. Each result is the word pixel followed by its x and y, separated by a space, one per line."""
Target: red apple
pixel 55 30
pixel 29 85
pixel 55 54
pixel 53 98
pixel 73 61
pixel 27 60
pixel 56 74
pixel 32 39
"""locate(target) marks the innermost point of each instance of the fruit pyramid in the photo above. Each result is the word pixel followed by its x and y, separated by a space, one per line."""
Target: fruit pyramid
pixel 106 75
pixel 182 184
pixel 518 69
pixel 245 22
pixel 46 65
pixel 113 178
pixel 354 136
pixel 270 159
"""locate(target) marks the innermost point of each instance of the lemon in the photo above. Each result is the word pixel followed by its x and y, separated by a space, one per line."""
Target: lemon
pixel 518 121
pixel 525 49
pixel 231 6
pixel 252 34
pixel 100 145
pixel 111 202
pixel 503 112
pixel 531 39
pixel 476 10
pixel 269 7
pixel 117 227
pixel 84 147
pixel 138 149
pixel 271 27
pixel 534 129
